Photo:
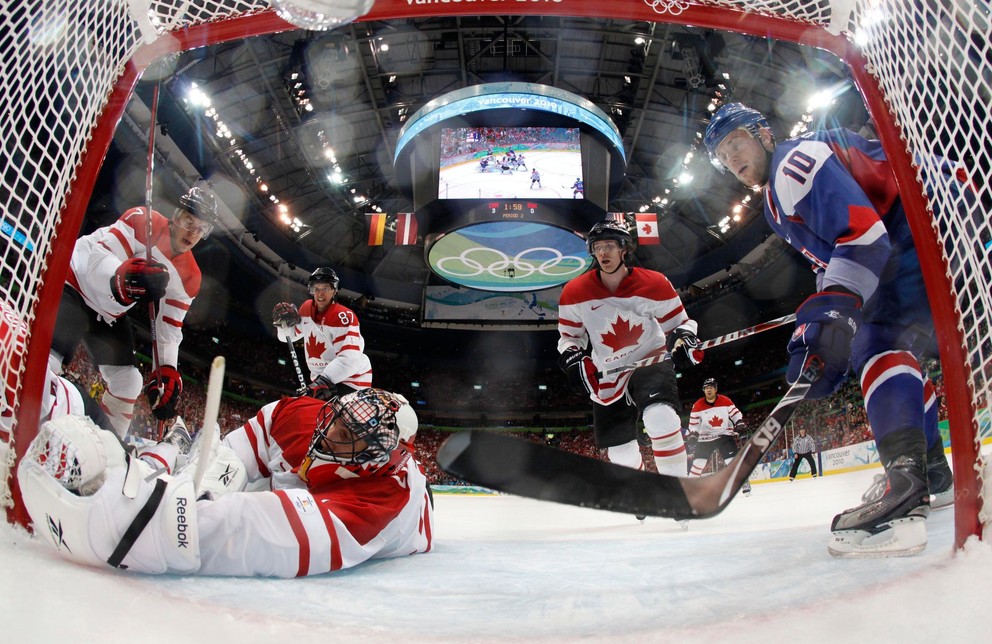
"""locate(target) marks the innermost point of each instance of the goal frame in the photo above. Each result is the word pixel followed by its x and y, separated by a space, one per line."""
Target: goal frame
pixel 960 392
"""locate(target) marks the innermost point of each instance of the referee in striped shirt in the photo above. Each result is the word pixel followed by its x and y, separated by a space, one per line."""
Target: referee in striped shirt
pixel 803 446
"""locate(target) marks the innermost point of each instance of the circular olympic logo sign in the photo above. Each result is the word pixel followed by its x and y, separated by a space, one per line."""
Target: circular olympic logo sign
pixel 484 261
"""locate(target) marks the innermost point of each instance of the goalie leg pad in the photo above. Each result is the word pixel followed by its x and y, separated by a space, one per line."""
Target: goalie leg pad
pixel 90 529
pixel 899 538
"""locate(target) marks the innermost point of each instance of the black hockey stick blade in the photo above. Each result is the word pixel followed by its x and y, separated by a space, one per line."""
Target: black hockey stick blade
pixel 518 466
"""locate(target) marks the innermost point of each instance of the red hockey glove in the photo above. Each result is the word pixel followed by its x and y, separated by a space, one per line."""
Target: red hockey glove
pixel 164 408
pixel 138 280
pixel 825 326
pixel 285 315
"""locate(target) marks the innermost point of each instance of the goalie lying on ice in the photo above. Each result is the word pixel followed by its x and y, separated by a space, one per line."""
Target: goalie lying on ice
pixel 355 494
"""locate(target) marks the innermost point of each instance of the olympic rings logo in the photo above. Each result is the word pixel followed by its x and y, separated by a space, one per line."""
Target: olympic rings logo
pixel 502 266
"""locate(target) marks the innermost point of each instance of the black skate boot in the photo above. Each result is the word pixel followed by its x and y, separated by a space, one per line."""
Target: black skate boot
pixel 940 478
pixel 892 520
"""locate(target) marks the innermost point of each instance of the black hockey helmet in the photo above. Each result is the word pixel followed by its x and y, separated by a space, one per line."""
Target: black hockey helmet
pixel 709 382
pixel 202 205
pixel 324 275
pixel 610 229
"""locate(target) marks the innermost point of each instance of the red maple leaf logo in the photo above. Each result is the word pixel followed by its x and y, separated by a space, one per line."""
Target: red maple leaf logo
pixel 623 335
pixel 314 349
pixel 716 421
pixel 647 228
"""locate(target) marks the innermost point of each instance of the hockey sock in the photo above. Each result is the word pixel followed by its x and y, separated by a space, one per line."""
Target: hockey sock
pixel 123 388
pixel 892 386
pixel 628 455
pixel 663 426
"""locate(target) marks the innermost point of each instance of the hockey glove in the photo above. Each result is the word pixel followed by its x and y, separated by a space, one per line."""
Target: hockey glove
pixel 691 441
pixel 164 405
pixel 684 347
pixel 321 388
pixel 580 372
pixel 285 315
pixel 825 326
pixel 138 280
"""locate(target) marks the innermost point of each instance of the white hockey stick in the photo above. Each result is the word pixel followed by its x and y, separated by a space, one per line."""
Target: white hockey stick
pixel 212 409
pixel 708 344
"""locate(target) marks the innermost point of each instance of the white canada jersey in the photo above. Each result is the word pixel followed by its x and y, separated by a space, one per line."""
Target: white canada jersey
pixel 621 327
pixel 97 256
pixel 333 344
pixel 342 516
pixel 716 419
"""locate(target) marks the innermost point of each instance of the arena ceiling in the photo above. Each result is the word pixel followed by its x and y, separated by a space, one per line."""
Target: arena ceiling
pixel 329 164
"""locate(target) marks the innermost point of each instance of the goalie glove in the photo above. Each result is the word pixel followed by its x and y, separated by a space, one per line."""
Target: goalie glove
pixel 684 347
pixel 580 372
pixel 285 315
pixel 164 407
pixel 825 326
pixel 138 280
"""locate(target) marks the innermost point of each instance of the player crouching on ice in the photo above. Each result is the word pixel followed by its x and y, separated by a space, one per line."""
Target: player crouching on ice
pixel 832 195
pixel 355 494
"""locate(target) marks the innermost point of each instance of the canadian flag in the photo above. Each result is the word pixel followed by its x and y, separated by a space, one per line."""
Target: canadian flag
pixel 647 228
pixel 406 229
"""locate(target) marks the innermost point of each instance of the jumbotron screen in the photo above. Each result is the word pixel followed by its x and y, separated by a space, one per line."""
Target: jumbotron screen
pixel 510 163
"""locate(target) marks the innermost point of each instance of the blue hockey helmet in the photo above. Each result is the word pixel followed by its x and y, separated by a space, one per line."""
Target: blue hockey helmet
pixel 727 119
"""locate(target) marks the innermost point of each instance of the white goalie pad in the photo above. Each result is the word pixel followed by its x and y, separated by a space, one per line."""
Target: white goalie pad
pixel 75 452
pixel 150 526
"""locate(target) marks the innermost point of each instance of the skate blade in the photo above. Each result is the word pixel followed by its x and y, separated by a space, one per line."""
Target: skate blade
pixel 943 499
pixel 903 538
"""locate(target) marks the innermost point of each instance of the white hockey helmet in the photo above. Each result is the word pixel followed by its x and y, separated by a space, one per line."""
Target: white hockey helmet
pixel 378 418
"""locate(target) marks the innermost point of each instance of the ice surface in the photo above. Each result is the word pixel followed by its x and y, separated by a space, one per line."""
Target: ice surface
pixel 506 569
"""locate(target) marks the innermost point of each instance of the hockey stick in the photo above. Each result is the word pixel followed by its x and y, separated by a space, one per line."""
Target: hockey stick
pixel 527 469
pixel 707 344
pixel 205 438
pixel 296 364
pixel 152 307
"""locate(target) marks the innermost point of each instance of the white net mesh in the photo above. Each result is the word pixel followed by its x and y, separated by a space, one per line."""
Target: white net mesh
pixel 932 59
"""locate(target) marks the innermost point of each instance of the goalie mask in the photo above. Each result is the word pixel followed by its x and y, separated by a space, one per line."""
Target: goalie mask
pixel 362 427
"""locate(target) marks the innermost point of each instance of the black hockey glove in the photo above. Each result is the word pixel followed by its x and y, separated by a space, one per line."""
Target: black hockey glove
pixel 321 388
pixel 580 372
pixel 825 326
pixel 684 347
pixel 691 440
pixel 285 315
pixel 164 407
pixel 138 280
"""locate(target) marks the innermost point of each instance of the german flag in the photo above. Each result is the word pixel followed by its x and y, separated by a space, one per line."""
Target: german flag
pixel 377 227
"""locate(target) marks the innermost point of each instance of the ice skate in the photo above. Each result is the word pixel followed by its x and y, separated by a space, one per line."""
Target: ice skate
pixel 746 488
pixel 892 520
pixel 179 436
pixel 940 478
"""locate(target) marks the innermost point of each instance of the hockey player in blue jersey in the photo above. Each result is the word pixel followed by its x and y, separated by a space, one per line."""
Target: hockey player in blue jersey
pixel 577 189
pixel 832 196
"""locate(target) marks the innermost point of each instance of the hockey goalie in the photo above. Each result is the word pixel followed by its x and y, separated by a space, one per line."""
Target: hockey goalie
pixel 344 488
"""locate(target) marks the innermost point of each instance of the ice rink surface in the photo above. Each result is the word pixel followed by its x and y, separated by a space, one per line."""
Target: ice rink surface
pixel 506 569
pixel 558 171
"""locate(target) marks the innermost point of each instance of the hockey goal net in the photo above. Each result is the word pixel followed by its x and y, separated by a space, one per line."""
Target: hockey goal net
pixel 924 69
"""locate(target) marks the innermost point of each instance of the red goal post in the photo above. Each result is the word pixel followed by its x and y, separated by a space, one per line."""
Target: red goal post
pixel 924 70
